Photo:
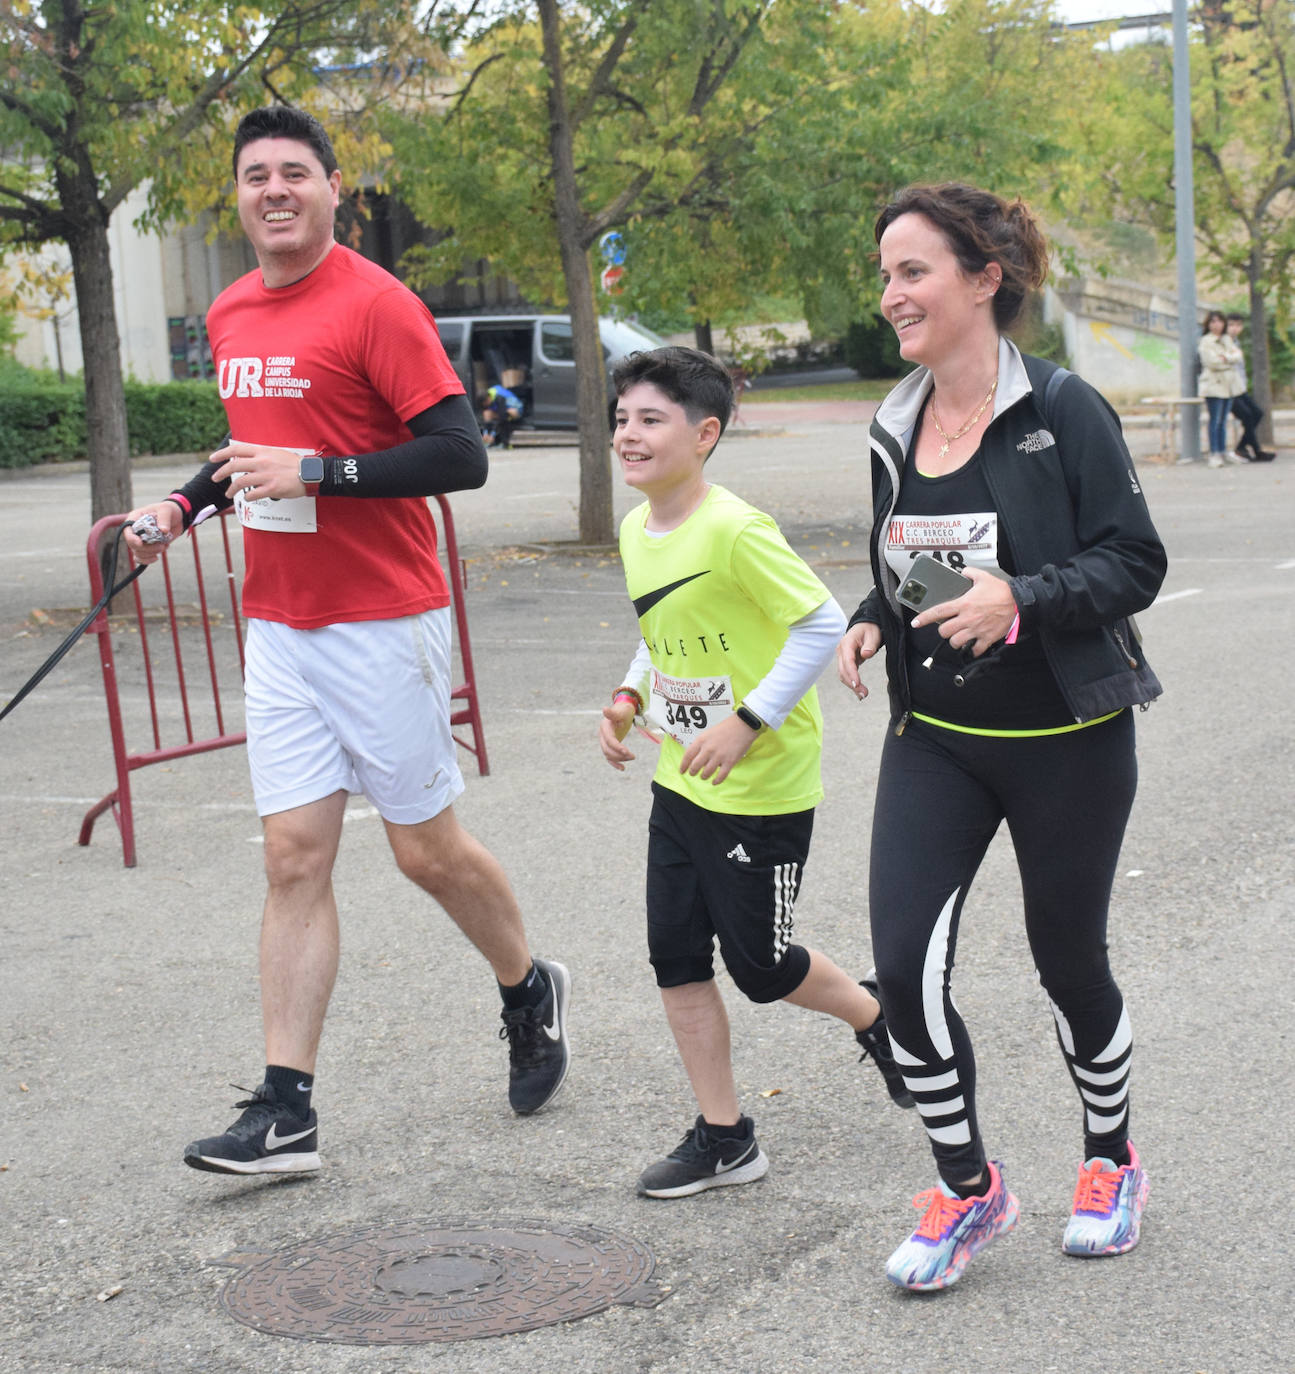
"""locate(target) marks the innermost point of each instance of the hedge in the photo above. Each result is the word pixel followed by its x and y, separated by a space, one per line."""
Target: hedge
pixel 44 422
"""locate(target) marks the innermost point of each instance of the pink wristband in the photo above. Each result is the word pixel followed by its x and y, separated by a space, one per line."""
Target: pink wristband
pixel 1010 636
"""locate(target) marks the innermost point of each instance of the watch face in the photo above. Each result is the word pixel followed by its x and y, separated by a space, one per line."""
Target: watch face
pixel 311 470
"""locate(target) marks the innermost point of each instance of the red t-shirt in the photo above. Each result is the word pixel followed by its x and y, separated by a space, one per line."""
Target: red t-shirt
pixel 333 364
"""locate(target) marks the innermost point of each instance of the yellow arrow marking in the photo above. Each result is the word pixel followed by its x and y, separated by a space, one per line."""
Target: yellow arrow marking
pixel 1102 332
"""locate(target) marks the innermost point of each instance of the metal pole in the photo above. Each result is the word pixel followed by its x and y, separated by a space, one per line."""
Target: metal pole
pixel 1185 214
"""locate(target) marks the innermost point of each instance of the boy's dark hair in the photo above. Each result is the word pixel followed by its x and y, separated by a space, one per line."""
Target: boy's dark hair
pixel 1239 319
pixel 980 228
pixel 285 121
pixel 691 378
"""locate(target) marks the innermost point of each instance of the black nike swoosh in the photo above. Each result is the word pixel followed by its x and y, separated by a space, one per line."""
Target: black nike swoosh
pixel 643 604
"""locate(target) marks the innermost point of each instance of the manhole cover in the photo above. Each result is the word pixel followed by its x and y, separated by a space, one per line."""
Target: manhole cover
pixel 438 1281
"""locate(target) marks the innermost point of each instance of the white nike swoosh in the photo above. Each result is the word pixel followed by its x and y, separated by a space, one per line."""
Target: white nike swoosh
pixel 274 1141
pixel 554 1032
pixel 723 1168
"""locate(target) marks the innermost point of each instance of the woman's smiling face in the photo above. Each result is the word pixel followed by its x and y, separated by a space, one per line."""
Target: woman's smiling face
pixel 932 304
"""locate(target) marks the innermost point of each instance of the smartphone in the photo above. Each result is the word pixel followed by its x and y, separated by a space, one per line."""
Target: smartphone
pixel 930 582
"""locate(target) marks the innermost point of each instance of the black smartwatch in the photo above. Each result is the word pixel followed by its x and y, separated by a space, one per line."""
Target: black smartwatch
pixel 749 718
pixel 310 471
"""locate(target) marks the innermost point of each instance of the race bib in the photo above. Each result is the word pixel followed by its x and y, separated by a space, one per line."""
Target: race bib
pixel 685 706
pixel 962 540
pixel 290 515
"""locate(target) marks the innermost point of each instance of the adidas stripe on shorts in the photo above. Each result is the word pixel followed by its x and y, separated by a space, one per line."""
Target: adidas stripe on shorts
pixel 737 878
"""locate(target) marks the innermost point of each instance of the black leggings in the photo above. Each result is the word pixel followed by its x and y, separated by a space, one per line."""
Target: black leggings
pixel 1066 799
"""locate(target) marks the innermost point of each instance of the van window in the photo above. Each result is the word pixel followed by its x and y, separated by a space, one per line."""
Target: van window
pixel 555 341
pixel 451 333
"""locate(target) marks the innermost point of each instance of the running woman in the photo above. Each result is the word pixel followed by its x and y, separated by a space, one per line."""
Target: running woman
pixel 1010 703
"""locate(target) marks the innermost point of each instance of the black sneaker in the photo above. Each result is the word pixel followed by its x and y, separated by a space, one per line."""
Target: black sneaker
pixel 266 1139
pixel 538 1053
pixel 702 1160
pixel 876 1043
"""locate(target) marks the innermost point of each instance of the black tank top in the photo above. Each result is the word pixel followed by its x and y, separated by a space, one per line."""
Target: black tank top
pixel 953 519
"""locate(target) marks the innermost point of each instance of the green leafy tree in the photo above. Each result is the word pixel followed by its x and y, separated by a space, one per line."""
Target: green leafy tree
pixel 99 100
pixel 741 147
pixel 1243 142
pixel 615 115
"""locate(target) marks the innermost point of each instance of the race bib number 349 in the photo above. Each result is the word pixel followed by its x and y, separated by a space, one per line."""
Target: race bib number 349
pixel 685 706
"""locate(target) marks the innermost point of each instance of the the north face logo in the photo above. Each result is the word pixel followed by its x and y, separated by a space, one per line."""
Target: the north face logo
pixel 1036 442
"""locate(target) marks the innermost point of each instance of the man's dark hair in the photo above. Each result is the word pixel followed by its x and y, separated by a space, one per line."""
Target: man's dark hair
pixel 285 121
pixel 691 378
pixel 1240 319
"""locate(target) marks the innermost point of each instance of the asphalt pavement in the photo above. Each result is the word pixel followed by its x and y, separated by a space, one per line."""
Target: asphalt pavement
pixel 130 996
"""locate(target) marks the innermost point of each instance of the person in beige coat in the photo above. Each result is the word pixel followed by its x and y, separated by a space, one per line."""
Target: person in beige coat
pixel 1219 355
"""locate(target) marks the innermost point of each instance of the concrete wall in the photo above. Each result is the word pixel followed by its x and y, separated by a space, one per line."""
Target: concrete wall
pixel 1121 336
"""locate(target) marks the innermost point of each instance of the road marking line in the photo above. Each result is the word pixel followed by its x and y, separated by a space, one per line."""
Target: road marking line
pixel 1175 596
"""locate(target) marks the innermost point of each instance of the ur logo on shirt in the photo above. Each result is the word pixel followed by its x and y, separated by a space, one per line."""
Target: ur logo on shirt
pixel 240 377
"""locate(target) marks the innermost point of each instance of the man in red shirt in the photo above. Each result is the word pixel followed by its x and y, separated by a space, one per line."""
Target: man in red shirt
pixel 345 414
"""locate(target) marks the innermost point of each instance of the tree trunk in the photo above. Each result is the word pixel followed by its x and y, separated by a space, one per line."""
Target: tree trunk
pixel 704 337
pixel 591 383
pixel 1260 363
pixel 107 443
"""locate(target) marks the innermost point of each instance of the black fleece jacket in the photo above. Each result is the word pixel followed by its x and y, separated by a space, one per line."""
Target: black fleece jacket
pixel 1075 520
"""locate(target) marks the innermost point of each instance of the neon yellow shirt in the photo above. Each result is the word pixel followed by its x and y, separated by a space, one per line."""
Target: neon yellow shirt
pixel 714 599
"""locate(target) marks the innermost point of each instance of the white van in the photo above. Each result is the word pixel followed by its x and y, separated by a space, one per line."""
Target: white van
pixel 533 356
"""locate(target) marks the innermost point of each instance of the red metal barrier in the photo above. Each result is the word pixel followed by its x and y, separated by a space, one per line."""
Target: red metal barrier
pixel 220 664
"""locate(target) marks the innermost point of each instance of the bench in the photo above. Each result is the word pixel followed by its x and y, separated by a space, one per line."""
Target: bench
pixel 1168 406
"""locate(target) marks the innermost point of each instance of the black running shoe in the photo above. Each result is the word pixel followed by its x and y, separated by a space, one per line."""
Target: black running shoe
pixel 266 1139
pixel 876 1043
pixel 538 1053
pixel 702 1160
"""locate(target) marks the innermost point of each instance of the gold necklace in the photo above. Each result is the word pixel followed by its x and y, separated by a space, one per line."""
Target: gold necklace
pixel 949 438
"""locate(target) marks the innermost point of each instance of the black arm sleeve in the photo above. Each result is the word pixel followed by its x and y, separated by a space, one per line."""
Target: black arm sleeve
pixel 446 454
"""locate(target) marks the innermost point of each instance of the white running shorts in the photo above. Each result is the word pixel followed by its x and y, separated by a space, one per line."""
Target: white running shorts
pixel 363 706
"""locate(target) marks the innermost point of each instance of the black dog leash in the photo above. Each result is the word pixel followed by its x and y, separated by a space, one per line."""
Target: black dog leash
pixel 56 657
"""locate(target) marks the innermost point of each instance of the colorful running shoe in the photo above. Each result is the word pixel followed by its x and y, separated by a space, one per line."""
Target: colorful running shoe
pixel 1106 1216
pixel 952 1229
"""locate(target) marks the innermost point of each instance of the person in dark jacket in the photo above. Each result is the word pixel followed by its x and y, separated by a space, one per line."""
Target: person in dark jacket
pixel 1010 702
pixel 1244 406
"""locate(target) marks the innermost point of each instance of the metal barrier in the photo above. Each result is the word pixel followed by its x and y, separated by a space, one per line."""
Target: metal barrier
pixel 219 659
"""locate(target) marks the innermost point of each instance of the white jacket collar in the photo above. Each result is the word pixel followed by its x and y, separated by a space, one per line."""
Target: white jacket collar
pixel 898 413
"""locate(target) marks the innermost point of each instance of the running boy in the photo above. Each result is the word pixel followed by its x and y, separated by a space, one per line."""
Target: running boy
pixel 735 631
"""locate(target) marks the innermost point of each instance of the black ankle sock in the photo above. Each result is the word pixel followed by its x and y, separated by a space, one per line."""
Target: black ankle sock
pixel 966 1190
pixel 734 1132
pixel 290 1087
pixel 530 992
pixel 1119 1155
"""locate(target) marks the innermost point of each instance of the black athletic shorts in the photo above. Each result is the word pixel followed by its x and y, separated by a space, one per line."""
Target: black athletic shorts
pixel 712 875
